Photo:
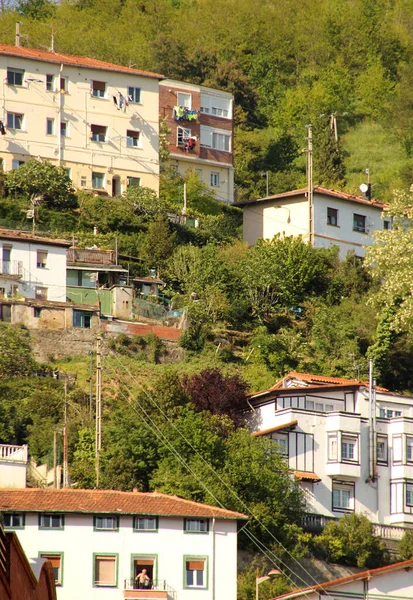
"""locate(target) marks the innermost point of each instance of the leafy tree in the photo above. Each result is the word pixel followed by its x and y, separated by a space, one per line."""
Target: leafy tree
pixel 406 545
pixel 329 167
pixel 219 394
pixel 16 358
pixel 41 178
pixel 159 244
pixel 83 464
pixel 351 541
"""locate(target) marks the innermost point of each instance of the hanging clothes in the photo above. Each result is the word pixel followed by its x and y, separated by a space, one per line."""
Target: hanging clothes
pixel 179 113
pixel 191 143
pixel 191 115
pixel 2 128
pixel 115 100
pixel 120 101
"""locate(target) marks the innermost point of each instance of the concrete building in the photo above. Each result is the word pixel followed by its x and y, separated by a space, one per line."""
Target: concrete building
pixel 341 219
pixel 346 459
pixel 32 267
pixel 13 466
pixel 97 120
pixel 200 121
pixel 99 541
pixel 394 581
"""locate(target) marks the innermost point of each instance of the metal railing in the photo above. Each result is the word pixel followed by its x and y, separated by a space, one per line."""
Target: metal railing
pixel 158 585
pixel 11 267
pixel 96 257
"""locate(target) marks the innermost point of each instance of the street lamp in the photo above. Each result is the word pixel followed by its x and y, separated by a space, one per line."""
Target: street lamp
pixel 270 575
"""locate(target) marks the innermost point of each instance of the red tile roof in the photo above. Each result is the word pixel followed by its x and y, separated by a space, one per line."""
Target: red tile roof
pixel 317 190
pixel 107 501
pixel 321 587
pixel 320 380
pixel 290 425
pixel 28 237
pixel 74 61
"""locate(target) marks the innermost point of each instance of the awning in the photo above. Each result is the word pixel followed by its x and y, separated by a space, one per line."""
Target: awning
pixel 288 426
pixel 306 476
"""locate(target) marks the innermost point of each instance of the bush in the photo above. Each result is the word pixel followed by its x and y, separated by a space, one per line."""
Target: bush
pixel 406 545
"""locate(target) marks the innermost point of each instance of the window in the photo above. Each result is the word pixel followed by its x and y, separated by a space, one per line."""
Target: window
pixel 51 521
pixel 134 181
pixel 41 259
pixel 14 520
pixel 281 439
pixel 359 223
pixel 195 572
pixel 184 100
pixel 386 224
pixel 134 94
pixel 106 523
pixel 82 319
pixel 50 83
pixel 57 564
pixel 15 164
pixel 68 173
pixel 200 174
pixel 214 179
pixel 397 413
pixel 389 414
pixel 98 133
pixel 105 570
pixel 216 105
pixel 98 89
pixel 64 84
pixel 182 134
pixel 146 524
pixel 409 494
pixel 40 292
pixel 132 138
pixel 343 497
pixel 332 448
pixel 50 126
pixel 332 216
pixel 409 449
pixel 98 180
pixel 381 449
pixel 15 76
pixel 83 181
pixel 348 449
pixel 15 120
pixel 64 129
pixel 196 525
pixel 219 112
pixel 37 312
pixel 382 413
pixel 220 141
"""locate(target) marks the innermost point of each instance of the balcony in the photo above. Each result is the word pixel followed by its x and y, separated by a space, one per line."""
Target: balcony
pixel 11 269
pixel 344 470
pixel 13 454
pixel 91 256
pixel 158 589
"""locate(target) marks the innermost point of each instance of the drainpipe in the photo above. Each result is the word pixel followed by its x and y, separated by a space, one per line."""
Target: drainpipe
pixel 374 432
pixel 213 558
pixel 59 125
pixel 371 474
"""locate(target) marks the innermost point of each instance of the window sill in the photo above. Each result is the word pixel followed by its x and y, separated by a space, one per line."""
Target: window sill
pixel 99 97
pixel 332 225
pixel 359 230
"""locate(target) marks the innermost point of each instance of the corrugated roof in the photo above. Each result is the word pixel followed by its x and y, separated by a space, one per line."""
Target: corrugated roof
pixel 289 425
pixel 321 587
pixel 107 501
pixel 73 61
pixel 28 237
pixel 317 190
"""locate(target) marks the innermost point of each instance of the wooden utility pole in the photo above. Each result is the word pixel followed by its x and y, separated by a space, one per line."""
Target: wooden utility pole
pixel 98 406
pixel 310 185
pixel 65 445
pixel 55 459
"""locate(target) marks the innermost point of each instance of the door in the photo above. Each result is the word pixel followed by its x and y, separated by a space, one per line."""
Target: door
pixel 141 566
pixel 6 258
pixel 116 186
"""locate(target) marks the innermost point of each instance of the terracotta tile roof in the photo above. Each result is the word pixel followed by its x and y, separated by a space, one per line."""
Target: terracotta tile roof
pixel 74 61
pixel 290 425
pixel 320 380
pixel 107 501
pixel 24 236
pixel 319 190
pixel 304 476
pixel 363 575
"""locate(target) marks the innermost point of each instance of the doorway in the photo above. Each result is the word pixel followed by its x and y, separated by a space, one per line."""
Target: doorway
pixel 116 189
pixel 148 563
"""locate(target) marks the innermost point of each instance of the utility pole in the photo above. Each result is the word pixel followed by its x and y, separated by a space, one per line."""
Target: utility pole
pixel 184 207
pixel 17 41
pixel 310 185
pixel 65 445
pixel 98 406
pixel 55 459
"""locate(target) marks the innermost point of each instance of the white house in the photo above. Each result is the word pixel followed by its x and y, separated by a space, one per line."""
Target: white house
pixel 32 266
pixel 346 459
pixel 394 581
pixel 99 541
pixel 13 466
pixel 338 219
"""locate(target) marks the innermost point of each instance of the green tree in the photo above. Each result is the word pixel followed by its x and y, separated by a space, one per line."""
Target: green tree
pixel 16 359
pixel 41 178
pixel 406 545
pixel 351 541
pixel 159 244
pixel 83 465
pixel 329 167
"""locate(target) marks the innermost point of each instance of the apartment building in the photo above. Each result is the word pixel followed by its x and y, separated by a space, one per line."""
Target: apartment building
pixel 345 220
pixel 99 541
pixel 200 123
pixel 97 120
pixel 346 458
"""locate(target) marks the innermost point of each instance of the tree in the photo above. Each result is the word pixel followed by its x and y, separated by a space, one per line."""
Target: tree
pixel 352 542
pixel 159 244
pixel 219 394
pixel 41 178
pixel 406 545
pixel 329 167
pixel 83 464
pixel 16 358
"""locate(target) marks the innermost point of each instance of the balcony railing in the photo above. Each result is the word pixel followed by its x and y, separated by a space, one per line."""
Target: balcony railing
pixel 158 585
pixel 11 267
pixel 11 453
pixel 96 257
pixel 316 523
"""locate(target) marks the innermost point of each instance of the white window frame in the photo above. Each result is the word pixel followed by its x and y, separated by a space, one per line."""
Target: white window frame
pixel 281 439
pixel 64 85
pixel 221 141
pixel 409 494
pixel 96 92
pixel 50 82
pixel 349 448
pixel 46 521
pixel 50 122
pixel 64 129
pixel 18 517
pixel 332 218
pixel 184 99
pixel 106 523
pixel 357 225
pixel 182 134
pixel 14 72
pixel 409 448
pixel 196 526
pixel 342 497
pixel 16 119
pixel 383 457
pixel 146 524
pixel 132 93
pixel 214 179
pixel 102 187
pixel 133 141
pixel 216 106
pixel 333 448
pixel 99 135
pixel 57 571
pixel 105 557
pixel 195 572
pixel 41 259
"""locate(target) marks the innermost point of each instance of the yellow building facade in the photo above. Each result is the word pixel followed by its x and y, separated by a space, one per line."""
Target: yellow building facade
pixel 97 120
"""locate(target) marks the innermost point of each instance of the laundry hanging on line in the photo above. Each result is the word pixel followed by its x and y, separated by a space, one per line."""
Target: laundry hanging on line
pixel 2 128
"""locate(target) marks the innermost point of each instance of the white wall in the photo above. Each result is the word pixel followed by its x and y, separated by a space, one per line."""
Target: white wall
pixel 170 544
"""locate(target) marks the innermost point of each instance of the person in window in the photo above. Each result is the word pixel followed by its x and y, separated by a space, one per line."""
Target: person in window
pixel 143 580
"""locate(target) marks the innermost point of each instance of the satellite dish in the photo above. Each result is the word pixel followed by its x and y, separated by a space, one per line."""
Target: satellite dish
pixel 363 188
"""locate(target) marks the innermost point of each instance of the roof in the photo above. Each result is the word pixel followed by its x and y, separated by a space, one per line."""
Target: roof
pixel 319 380
pixel 24 236
pixel 306 476
pixel 316 190
pixel 148 280
pixel 74 61
pixel 364 575
pixel 107 501
pixel 290 425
